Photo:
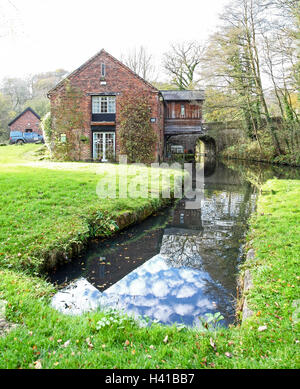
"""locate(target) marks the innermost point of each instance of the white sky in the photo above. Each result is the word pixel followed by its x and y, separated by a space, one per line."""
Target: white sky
pixel 51 34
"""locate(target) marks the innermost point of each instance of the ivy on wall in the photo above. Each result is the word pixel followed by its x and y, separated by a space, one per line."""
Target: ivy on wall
pixel 64 130
pixel 137 137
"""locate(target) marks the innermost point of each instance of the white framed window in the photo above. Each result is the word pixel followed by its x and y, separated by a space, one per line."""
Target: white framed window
pixel 103 104
pixel 177 149
pixel 95 104
pixel 111 105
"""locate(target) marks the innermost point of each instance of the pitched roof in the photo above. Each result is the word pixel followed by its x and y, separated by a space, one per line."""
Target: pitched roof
pixel 22 113
pixel 181 95
pixel 83 66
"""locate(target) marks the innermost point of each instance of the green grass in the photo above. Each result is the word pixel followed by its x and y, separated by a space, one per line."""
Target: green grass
pixel 45 338
pixel 47 206
pixel 18 154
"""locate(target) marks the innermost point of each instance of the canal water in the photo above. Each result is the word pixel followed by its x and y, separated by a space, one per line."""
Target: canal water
pixel 180 264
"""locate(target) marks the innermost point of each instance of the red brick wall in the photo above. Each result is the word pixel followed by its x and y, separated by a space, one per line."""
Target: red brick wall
pixel 119 79
pixel 26 121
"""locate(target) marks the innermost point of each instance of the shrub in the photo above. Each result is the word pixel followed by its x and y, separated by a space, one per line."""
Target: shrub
pixel 68 124
pixel 137 137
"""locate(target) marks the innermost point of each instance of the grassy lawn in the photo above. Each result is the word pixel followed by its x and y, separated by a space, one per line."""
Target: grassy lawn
pixel 45 204
pixel 48 206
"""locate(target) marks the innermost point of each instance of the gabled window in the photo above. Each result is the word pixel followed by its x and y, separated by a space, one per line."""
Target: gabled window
pixel 103 70
pixel 103 104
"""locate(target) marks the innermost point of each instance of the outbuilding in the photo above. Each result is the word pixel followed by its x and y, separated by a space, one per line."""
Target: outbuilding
pixel 26 121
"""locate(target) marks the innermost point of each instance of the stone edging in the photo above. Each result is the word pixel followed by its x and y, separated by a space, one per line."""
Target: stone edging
pixel 61 256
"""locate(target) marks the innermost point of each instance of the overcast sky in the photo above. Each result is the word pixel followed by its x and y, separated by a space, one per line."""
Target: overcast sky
pixel 42 35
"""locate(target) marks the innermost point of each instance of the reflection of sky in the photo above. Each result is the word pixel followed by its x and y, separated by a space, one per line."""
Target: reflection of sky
pixel 165 293
pixel 195 272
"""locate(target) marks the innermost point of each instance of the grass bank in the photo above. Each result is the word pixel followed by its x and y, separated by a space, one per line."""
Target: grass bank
pixel 49 210
pixel 45 338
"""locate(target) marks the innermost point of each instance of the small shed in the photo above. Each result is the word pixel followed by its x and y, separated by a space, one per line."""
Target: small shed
pixel 26 121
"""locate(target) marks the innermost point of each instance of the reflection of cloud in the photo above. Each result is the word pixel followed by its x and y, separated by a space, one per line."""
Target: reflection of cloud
pixel 174 282
pixel 78 297
pixel 138 287
pixel 171 274
pixel 160 288
pixel 161 312
pixel 152 266
pixel 204 302
pixel 186 291
pixel 189 275
pixel 162 293
pixel 184 309
pixel 146 301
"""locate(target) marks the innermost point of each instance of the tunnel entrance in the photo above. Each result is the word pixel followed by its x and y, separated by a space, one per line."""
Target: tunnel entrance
pixel 205 146
pixel 193 146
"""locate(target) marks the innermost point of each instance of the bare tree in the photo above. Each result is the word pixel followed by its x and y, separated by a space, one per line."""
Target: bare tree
pixel 182 63
pixel 141 62
pixel 253 57
pixel 17 90
pixel 287 5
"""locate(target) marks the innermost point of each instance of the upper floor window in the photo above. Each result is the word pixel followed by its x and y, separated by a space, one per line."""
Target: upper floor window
pixel 103 104
pixel 182 111
pixel 103 70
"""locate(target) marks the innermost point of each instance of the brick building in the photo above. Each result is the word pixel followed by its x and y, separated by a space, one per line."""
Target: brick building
pixel 26 121
pixel 102 80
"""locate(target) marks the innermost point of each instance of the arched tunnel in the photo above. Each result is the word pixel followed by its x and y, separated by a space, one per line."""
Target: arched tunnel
pixel 205 146
pixel 197 144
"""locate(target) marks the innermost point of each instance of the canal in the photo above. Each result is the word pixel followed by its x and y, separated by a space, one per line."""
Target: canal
pixel 180 264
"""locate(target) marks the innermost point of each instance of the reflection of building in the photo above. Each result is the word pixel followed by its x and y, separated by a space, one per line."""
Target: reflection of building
pixel 189 219
pixel 183 237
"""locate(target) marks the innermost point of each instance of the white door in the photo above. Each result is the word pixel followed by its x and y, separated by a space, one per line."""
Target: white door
pixel 103 146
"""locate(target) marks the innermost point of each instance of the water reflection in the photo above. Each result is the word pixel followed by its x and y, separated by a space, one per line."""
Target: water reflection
pixel 166 293
pixel 195 271
pixel 108 261
pixel 178 265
